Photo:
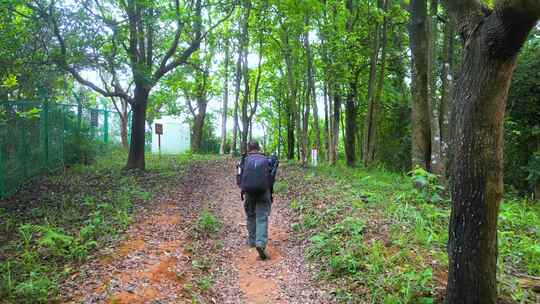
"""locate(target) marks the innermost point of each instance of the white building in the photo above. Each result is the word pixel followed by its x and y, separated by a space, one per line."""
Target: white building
pixel 175 138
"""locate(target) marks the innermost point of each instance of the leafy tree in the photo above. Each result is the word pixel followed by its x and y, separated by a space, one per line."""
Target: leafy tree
pixel 130 44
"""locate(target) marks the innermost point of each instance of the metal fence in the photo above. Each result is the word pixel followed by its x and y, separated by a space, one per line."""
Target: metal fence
pixel 38 137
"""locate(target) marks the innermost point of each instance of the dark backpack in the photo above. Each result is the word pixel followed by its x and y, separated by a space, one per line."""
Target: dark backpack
pixel 255 178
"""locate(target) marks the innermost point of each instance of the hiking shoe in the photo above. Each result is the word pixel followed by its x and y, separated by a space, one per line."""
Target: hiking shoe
pixel 262 253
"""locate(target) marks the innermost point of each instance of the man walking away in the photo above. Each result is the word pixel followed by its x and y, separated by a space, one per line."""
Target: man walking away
pixel 255 176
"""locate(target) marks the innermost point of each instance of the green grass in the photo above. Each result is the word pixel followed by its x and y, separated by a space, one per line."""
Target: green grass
pixel 54 224
pixel 380 240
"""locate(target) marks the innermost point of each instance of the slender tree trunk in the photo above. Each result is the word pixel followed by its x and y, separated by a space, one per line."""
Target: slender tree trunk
pixel 421 133
pixel 290 132
pixel 311 84
pixel 136 149
pixel 436 165
pixel 124 133
pixel 305 126
pixel 279 128
pixel 447 81
pixel 246 5
pixel 349 138
pixel 492 42
pixel 326 125
pixel 368 121
pixel 122 111
pixel 236 100
pixel 368 159
pixel 335 126
pixel 294 119
pixel 225 101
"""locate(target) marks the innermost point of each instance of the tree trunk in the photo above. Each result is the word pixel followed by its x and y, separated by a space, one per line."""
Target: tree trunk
pixel 290 132
pixel 294 114
pixel 492 41
pixel 124 133
pixel 447 81
pixel 305 124
pixel 436 165
pixel 350 125
pixel 236 100
pixel 197 133
pixel 136 149
pixel 326 125
pixel 421 134
pixel 244 45
pixel 311 88
pixel 225 101
pixel 335 126
pixel 368 121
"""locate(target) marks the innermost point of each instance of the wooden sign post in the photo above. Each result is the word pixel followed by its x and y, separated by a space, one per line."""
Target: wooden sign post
pixel 159 132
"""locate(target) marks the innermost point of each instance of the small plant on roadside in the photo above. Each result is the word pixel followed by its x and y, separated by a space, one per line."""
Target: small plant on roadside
pixel 426 186
pixel 208 224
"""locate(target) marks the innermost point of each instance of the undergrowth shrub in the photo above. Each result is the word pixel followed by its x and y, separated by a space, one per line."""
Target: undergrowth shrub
pixel 208 223
pixel 427 187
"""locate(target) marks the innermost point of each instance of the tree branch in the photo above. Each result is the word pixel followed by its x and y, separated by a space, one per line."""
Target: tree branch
pixel 194 45
pixel 62 60
pixel 468 15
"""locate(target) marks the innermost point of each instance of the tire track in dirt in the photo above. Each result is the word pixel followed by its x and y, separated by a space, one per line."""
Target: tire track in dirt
pixel 285 278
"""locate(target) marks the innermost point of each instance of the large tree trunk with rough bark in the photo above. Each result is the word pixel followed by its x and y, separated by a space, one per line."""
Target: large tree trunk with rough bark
pixel 421 134
pixel 492 41
pixel 138 122
pixel 197 131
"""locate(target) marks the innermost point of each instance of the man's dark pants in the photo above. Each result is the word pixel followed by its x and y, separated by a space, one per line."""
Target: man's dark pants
pixel 257 209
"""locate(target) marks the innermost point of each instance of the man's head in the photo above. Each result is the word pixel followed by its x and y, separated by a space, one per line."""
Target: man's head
pixel 253 146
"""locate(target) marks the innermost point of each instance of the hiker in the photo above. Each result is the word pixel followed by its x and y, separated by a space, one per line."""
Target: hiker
pixel 255 177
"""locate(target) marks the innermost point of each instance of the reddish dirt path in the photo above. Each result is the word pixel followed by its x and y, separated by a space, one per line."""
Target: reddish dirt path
pixel 284 278
pixel 151 265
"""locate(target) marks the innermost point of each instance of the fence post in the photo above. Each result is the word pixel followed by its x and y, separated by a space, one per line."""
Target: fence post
pixel 46 132
pixel 106 127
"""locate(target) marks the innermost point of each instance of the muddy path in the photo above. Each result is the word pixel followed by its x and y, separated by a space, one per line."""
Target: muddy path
pixel 152 265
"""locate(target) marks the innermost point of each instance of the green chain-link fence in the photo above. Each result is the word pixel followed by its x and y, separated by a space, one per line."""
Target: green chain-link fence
pixel 38 137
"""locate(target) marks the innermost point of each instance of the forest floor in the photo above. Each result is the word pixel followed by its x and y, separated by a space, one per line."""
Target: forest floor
pixel 177 234
pixel 164 259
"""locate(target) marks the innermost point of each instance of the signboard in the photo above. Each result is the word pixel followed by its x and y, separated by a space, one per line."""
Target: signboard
pixel 159 129
pixel 94 114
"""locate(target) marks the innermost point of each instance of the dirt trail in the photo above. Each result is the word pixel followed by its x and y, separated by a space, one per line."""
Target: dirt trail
pixel 285 278
pixel 151 265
